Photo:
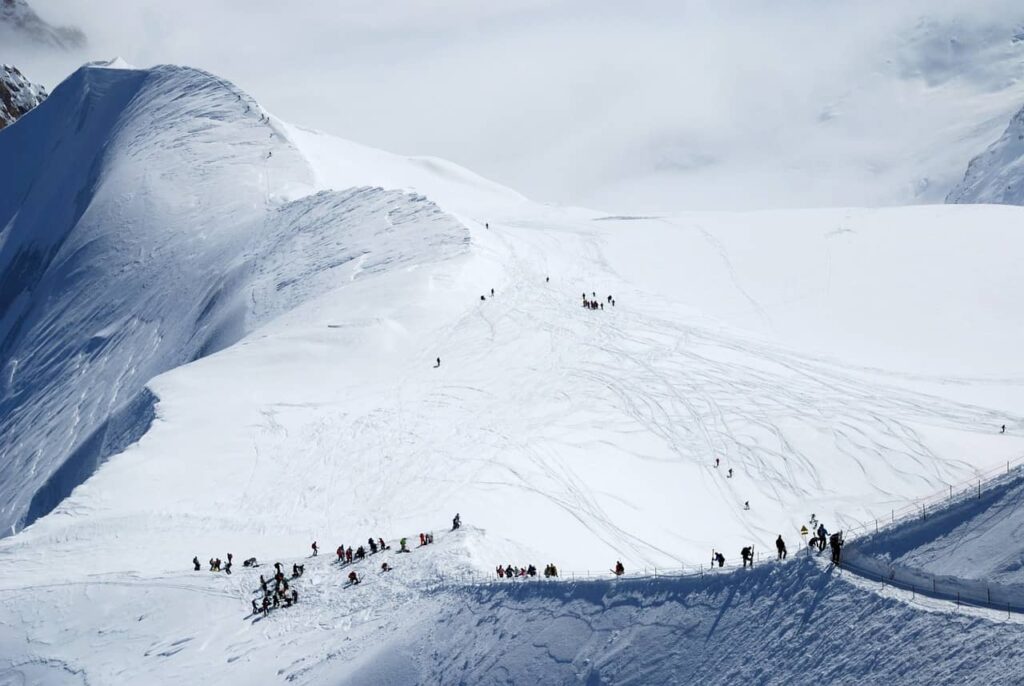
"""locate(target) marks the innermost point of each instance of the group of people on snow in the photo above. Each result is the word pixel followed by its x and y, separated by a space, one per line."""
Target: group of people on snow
pixel 216 565
pixel 592 303
pixel 282 594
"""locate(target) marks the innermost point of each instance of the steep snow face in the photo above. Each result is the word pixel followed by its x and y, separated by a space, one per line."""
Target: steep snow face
pixel 996 175
pixel 18 19
pixel 157 229
pixel 18 95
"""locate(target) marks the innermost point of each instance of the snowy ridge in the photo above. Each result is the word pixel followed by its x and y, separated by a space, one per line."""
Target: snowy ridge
pixel 996 175
pixel 174 181
pixel 222 333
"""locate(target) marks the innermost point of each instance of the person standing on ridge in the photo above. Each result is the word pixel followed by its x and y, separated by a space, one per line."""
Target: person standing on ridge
pixel 456 521
pixel 1003 429
pixel 747 554
pixel 619 569
pixel 822 536
pixel 730 473
pixel 780 545
pixel 195 563
pixel 315 549
pixel 438 363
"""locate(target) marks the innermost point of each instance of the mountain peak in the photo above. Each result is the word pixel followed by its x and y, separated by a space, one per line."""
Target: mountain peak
pixel 19 16
pixel 18 95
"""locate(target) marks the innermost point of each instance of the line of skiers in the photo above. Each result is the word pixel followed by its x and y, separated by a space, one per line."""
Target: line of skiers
pixel 591 303
pixel 347 555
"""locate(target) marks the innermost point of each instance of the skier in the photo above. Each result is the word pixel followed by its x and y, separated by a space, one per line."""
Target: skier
pixel 381 545
pixel 730 473
pixel 609 300
pixel 619 569
pixel 746 505
pixel 1003 429
pixel 255 609
pixel 353 578
pixel 373 546
pixel 822 536
pixel 227 566
pixel 438 363
pixel 547 279
pixel 195 563
pixel 360 553
pixel 835 541
pixel 720 559
pixel 748 556
pixel 384 567
pixel 401 546
pixel 341 553
pixel 492 292
pixel 297 570
pixel 780 545
pixel 423 540
pixel 456 522
pixel 348 554
pixel 717 462
pixel 263 584
pixel 315 549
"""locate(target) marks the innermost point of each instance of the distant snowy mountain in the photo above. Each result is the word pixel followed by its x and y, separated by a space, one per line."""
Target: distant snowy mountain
pixel 996 175
pixel 18 95
pixel 19 19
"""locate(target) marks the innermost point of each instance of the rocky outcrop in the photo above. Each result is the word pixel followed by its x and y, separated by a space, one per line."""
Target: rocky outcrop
pixel 18 95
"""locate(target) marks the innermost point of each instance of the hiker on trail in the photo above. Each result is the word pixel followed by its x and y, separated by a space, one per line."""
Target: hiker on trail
pixel 730 473
pixel 719 558
pixel 835 541
pixel 315 549
pixel 748 556
pixel 341 553
pixel 438 363
pixel 780 545
pixel 195 563
pixel 822 536
pixel 373 546
pixel 456 521
pixel 746 505
pixel 619 569
pixel 353 578
pixel 401 546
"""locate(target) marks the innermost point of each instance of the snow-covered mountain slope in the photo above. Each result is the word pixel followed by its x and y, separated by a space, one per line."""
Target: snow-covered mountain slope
pixel 18 95
pixel 996 175
pixel 223 340
pixel 156 230
pixel 19 21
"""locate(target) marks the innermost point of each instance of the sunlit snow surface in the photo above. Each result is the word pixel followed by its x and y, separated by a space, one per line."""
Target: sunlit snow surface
pixel 840 362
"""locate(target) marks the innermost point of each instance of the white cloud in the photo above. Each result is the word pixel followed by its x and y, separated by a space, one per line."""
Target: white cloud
pixel 650 104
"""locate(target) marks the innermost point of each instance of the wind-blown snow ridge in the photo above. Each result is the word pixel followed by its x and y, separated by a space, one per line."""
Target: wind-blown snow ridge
pixel 155 231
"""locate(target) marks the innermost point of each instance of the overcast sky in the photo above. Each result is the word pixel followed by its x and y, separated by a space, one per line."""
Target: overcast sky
pixel 650 104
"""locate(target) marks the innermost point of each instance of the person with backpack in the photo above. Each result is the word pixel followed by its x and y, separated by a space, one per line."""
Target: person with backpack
pixel 456 521
pixel 353 578
pixel 719 558
pixel 619 568
pixel 822 536
pixel 373 546
pixel 195 563
pixel 835 541
pixel 780 546
pixel 747 554
pixel 315 549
